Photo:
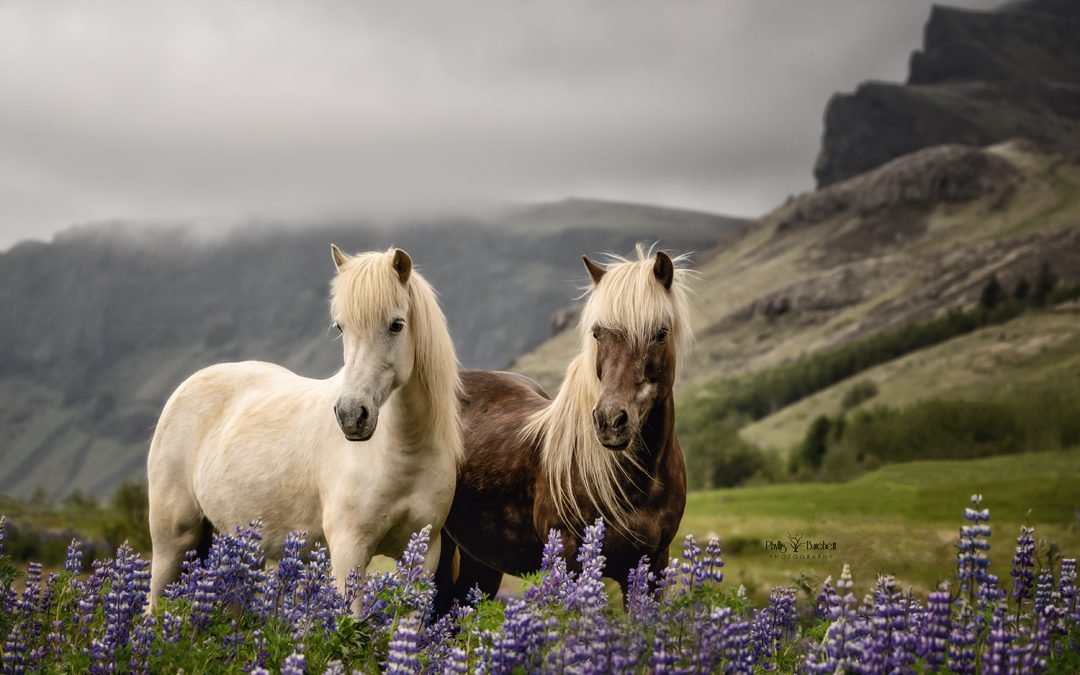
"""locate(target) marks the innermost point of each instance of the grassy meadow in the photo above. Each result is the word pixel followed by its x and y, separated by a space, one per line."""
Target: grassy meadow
pixel 901 519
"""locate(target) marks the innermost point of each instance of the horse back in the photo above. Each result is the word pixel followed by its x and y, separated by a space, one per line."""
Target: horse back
pixel 491 517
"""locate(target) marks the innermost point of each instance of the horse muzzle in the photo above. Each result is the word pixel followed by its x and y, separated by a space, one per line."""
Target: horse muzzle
pixel 613 428
pixel 357 420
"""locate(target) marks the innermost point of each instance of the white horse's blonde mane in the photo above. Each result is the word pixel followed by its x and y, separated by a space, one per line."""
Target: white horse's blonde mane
pixel 364 292
pixel 628 299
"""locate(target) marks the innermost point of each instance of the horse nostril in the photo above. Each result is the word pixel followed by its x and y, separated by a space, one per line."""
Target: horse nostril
pixel 621 419
pixel 362 417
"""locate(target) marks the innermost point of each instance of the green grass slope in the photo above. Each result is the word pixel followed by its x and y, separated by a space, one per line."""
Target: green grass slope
pixel 901 519
pixel 1035 348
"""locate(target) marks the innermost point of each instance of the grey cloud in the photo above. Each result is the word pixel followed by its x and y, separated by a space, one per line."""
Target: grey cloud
pixel 227 109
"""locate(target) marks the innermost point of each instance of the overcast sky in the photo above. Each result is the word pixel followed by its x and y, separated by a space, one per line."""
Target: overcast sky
pixel 225 110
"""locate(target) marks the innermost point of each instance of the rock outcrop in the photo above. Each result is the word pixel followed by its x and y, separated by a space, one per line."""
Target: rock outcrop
pixel 941 174
pixel 981 78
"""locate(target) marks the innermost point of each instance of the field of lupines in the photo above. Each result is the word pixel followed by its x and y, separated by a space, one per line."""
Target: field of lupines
pixel 230 613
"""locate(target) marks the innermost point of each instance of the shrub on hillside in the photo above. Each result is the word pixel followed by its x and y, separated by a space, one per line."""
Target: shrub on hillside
pixel 716 455
pixel 860 392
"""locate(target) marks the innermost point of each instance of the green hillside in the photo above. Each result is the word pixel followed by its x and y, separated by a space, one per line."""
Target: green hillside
pixel 900 519
pixel 1035 348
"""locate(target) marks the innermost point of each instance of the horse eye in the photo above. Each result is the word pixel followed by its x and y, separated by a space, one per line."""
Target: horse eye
pixel 661 335
pixel 397 326
pixel 338 326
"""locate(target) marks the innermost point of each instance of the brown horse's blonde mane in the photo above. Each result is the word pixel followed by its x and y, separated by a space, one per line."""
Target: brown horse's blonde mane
pixel 628 299
pixel 365 290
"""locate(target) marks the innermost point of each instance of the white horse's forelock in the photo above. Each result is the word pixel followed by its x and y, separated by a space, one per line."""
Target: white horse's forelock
pixel 628 299
pixel 366 290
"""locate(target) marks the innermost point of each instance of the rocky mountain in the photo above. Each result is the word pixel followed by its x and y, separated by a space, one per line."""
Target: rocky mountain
pixel 102 323
pixel 981 78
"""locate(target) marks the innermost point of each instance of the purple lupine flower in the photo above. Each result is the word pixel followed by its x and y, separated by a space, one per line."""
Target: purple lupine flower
pixel 593 643
pixel 55 638
pixel 404 656
pixel 1045 595
pixel 971 561
pixel 961 657
pixel 889 647
pixel 692 567
pixel 258 640
pixel 129 583
pixel 521 640
pixel 410 566
pixel 627 651
pixel 708 652
pixel 934 629
pixel 996 656
pixel 90 595
pixel 203 599
pixel 373 607
pixel 141 641
pixel 641 602
pixel 1023 566
pixel 773 623
pixel 738 650
pixel 669 577
pixel 14 659
pixel 73 559
pixel 456 662
pixel 315 592
pixel 235 563
pixel 1036 659
pixel 714 561
pixel 1070 598
pixel 589 594
pixel 295 663
pixel 278 598
pixel 828 601
pixel 172 627
pixel 840 650
pixel 663 657
pixel 555 584
pixel 28 603
pixel 415 582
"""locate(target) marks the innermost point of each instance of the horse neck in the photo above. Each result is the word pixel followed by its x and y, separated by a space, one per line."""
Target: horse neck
pixel 411 415
pixel 657 435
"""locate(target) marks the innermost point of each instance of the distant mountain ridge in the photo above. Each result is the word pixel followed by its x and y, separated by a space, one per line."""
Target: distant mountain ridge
pixel 98 326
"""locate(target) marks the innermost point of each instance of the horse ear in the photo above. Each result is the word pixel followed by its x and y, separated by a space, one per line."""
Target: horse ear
pixel 664 269
pixel 338 257
pixel 402 264
pixel 595 271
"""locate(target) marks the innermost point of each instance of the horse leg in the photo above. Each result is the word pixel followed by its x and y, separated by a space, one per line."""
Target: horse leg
pixel 347 553
pixel 176 526
pixel 445 573
pixel 473 573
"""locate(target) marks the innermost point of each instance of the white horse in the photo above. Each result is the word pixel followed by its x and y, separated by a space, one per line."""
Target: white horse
pixel 252 440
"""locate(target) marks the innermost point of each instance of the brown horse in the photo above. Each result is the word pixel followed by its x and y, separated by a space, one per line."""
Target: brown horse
pixel 604 447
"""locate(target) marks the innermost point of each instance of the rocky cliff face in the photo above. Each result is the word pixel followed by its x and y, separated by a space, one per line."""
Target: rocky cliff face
pixel 981 78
